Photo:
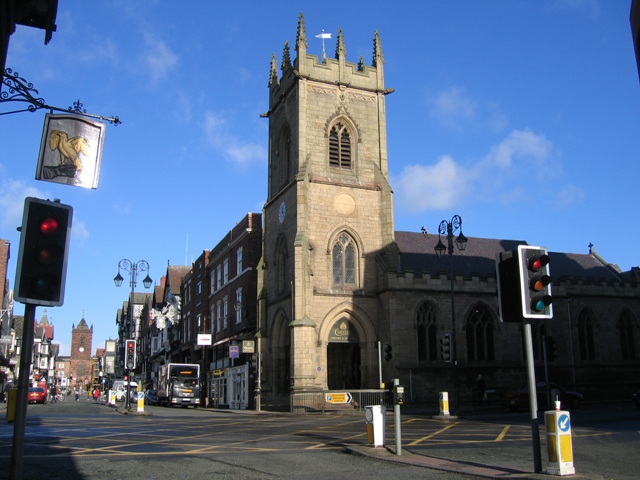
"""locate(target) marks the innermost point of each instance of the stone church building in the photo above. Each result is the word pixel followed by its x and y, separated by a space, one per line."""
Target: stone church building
pixel 336 280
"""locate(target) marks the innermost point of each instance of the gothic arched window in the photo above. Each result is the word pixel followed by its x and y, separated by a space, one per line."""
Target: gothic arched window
pixel 480 344
pixel 344 261
pixel 339 147
pixel 427 326
pixel 627 335
pixel 586 326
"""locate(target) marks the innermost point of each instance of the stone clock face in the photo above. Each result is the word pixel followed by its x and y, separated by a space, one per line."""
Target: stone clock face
pixel 344 204
pixel 81 349
pixel 282 212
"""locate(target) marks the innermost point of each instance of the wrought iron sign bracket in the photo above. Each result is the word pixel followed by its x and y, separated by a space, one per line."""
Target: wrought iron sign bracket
pixel 19 90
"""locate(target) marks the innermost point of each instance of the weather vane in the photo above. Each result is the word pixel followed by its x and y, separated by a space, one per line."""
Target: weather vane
pixel 323 36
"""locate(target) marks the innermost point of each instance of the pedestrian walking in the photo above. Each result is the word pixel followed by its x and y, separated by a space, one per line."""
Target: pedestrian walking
pixel 481 389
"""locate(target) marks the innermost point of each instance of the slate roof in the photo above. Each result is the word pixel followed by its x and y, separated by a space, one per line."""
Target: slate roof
pixel 175 275
pixel 417 255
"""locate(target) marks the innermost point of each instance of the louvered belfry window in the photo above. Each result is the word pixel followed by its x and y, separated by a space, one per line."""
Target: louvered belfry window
pixel 339 147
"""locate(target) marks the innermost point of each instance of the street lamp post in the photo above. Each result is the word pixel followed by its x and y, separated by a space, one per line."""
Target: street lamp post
pixel 134 269
pixel 449 228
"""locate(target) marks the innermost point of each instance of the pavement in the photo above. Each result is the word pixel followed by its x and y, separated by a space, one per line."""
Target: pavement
pixel 456 466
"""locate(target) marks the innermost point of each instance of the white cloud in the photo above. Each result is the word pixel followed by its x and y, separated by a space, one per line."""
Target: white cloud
pixel 12 195
pixel 245 154
pixel 431 187
pixel 508 174
pixel 569 195
pixel 239 153
pixel 453 107
pixel 520 146
pixel 79 230
pixel 159 58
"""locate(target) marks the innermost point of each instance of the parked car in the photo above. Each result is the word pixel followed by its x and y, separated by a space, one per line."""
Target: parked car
pixel 518 398
pixel 120 387
pixel 636 398
pixel 37 395
pixel 150 397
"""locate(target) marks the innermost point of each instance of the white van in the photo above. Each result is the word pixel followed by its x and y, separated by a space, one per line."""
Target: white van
pixel 120 387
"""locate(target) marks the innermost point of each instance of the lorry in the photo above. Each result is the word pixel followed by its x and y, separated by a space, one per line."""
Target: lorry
pixel 179 384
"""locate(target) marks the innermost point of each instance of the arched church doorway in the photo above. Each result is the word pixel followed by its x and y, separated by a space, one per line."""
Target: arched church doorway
pixel 343 357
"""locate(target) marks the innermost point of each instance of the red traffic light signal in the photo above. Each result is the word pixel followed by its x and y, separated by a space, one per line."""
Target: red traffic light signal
pixel 42 257
pixel 535 282
pixel 130 355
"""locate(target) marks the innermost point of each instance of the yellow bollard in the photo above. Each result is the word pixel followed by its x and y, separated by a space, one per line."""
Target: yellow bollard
pixel 444 404
pixel 140 402
pixel 12 397
pixel 559 447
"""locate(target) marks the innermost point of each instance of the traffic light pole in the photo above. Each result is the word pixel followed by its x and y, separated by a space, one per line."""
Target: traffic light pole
pixel 533 401
pixel 26 354
pixel 127 402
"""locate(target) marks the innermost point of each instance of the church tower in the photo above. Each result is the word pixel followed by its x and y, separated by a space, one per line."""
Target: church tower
pixel 328 216
pixel 80 359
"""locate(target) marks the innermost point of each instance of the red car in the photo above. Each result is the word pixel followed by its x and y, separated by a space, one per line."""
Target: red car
pixel 37 395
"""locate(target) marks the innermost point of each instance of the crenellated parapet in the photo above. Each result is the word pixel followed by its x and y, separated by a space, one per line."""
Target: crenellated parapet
pixel 330 71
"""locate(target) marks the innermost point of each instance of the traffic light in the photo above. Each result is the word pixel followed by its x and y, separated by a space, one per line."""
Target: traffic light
pixel 388 355
pixel 445 348
pixel 535 282
pixel 508 280
pixel 42 256
pixel 130 355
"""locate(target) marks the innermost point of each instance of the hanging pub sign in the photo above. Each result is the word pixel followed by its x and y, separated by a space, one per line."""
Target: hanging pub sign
pixel 70 150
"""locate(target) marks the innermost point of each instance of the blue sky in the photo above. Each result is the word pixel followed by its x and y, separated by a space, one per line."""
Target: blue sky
pixel 523 117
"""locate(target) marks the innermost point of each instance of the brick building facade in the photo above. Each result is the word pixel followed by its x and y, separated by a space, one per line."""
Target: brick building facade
pixel 80 364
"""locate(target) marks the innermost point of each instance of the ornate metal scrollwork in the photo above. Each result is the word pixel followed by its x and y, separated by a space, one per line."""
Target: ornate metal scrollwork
pixel 20 90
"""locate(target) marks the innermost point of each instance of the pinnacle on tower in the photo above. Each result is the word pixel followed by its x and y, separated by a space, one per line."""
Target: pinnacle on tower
pixel 273 73
pixel 301 37
pixel 286 57
pixel 378 59
pixel 341 50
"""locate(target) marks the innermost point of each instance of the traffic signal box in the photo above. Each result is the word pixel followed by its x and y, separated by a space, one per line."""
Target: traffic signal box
pixel 42 256
pixel 524 284
pixel 388 352
pixel 535 282
pixel 445 348
pixel 130 355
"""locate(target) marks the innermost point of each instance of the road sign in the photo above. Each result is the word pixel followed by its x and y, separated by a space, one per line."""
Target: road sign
pixel 341 397
pixel 564 423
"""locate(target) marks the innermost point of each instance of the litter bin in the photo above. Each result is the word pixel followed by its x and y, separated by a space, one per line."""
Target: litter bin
pixel 12 397
pixel 375 425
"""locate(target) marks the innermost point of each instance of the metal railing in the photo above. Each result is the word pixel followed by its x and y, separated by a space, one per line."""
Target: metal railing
pixel 336 400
